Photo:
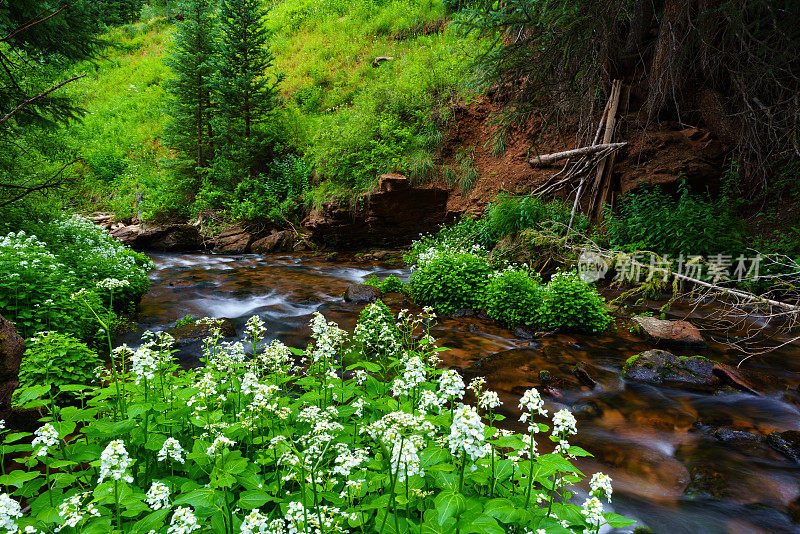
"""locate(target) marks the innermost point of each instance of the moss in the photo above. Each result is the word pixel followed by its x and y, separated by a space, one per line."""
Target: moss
pixel 629 362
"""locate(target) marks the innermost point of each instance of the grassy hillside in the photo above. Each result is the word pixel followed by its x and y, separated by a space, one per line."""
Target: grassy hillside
pixel 348 117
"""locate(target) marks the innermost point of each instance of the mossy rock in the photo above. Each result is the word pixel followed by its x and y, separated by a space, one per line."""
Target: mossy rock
pixel 201 329
pixel 660 367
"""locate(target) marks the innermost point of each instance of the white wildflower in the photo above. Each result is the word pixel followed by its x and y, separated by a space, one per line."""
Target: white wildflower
pixel 46 436
pixel 171 449
pixel 157 496
pixel 114 462
pixel 10 510
pixel 183 521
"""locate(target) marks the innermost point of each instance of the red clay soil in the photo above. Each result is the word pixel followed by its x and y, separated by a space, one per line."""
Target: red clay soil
pixel 660 154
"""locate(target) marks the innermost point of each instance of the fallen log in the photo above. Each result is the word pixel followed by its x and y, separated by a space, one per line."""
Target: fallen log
pixel 547 159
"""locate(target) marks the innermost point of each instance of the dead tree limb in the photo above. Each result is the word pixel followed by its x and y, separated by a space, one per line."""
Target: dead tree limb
pixel 547 159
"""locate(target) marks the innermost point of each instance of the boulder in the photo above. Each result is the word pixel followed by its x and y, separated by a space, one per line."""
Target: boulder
pixel 126 234
pixel 167 238
pixel 663 368
pixel 12 347
pixel 282 241
pixel 670 333
pixel 234 240
pixel 361 294
pixel 393 215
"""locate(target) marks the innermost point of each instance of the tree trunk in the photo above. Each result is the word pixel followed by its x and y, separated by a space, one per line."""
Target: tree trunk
pixel 668 74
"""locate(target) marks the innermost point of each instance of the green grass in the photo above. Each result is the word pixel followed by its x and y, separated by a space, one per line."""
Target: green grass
pixel 118 141
pixel 350 120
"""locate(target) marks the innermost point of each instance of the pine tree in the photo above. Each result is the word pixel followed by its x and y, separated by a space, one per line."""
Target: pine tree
pixel 189 129
pixel 245 91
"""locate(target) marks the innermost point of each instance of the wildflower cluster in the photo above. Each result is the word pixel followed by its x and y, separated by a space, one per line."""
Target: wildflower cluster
pixel 261 443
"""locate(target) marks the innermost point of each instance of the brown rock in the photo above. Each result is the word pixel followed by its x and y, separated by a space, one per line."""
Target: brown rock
pixel 361 294
pixel 12 347
pixel 168 238
pixel 670 333
pixel 282 241
pixel 234 240
pixel 126 234
pixel 394 215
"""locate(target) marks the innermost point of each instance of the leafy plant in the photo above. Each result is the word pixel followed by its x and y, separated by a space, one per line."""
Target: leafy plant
pixel 56 360
pixel 450 281
pixel 509 215
pixel 513 298
pixel 185 321
pixel 568 303
pixel 390 284
pixel 689 224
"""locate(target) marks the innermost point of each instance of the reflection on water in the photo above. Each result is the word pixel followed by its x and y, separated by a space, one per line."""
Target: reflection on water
pixel 668 472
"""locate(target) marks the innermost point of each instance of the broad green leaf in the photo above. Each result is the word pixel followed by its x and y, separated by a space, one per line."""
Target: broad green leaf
pixel 449 504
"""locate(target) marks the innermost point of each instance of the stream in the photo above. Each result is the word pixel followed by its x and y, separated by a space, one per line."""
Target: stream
pixel 667 473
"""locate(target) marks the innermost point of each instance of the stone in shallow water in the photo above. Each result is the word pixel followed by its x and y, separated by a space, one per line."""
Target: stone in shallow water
pixel 361 294
pixel 787 443
pixel 670 333
pixel 660 367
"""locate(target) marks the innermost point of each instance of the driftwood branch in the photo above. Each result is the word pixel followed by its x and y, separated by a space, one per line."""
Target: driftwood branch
pixel 547 159
pixel 41 95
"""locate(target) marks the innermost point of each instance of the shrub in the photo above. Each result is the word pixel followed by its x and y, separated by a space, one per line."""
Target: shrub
pixel 450 281
pixel 256 444
pixel 94 255
pixel 57 360
pixel 568 303
pixel 689 224
pixel 513 298
pixel 36 290
pixel 468 235
pixel 390 284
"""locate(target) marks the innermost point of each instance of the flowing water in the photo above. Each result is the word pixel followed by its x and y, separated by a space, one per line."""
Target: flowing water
pixel 667 473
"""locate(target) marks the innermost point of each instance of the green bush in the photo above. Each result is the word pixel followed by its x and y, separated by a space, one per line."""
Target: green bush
pixel 450 281
pixel 568 303
pixel 689 224
pixel 93 255
pixel 36 290
pixel 513 298
pixel 57 360
pixel 390 284
pixel 468 235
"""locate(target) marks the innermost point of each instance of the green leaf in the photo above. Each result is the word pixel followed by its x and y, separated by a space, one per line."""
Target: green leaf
pixel 449 504
pixel 18 477
pixel 481 525
pixel 206 499
pixel 153 521
pixel 618 521
pixel 255 499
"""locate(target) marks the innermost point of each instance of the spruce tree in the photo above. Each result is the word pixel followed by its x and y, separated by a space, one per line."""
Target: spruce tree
pixel 189 129
pixel 244 89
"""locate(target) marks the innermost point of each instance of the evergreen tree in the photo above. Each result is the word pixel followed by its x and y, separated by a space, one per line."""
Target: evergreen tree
pixel 245 92
pixel 189 129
